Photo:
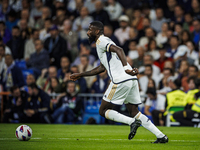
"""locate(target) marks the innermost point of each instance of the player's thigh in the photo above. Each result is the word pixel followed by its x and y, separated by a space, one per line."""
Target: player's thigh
pixel 117 93
pixel 106 105
pixel 133 96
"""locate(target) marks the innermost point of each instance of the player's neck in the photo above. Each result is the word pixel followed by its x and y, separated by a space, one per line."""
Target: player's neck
pixel 98 37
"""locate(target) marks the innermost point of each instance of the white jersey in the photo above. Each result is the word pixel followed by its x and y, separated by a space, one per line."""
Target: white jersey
pixel 111 61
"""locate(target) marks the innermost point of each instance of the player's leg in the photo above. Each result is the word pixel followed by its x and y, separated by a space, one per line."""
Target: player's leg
pixel 133 110
pixel 132 100
pixel 106 110
pixel 115 94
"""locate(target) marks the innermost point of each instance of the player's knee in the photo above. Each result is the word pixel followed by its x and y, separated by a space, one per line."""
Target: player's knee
pixel 102 112
pixel 134 112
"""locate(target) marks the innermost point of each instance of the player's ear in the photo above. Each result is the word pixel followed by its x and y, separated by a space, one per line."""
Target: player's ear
pixel 97 32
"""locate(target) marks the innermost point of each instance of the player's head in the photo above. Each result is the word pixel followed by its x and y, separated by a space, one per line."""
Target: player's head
pixel 96 28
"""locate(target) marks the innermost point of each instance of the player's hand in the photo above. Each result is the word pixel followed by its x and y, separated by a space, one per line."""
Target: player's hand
pixel 75 76
pixel 132 72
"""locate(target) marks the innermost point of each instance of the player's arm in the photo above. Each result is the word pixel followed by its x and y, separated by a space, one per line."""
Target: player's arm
pixel 92 72
pixel 123 59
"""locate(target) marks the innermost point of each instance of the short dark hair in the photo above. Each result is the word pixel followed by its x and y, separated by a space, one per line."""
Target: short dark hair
pixel 194 66
pixel 34 30
pixel 177 82
pixel 191 78
pixel 98 25
pixel 60 8
pixel 134 41
pixel 109 26
pixel 2 22
pixel 64 56
pixel 193 44
pixel 74 66
pixel 148 19
pixel 86 45
pixel 41 42
pixel 181 7
pixel 33 86
pixel 195 19
pixel 86 56
pixel 159 8
pixel 13 88
pixel 70 81
pixel 175 36
pixel 188 13
pixel 48 19
pixel 149 66
pixel 170 69
pixel 179 23
pixel 15 27
pixel 2 45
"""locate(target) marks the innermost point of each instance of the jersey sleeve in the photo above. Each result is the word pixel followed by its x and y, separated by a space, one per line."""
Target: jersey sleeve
pixel 104 44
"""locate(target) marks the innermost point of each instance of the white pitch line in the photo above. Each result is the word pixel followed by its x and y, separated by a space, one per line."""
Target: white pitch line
pixel 91 139
pixel 36 138
pixel 3 139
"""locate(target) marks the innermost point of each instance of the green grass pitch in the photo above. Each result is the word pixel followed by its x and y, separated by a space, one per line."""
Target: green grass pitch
pixel 97 137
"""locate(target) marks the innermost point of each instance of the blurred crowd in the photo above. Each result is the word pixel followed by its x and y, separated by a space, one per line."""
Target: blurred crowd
pixel 49 37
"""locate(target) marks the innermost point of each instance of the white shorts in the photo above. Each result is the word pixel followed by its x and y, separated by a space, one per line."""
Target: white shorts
pixel 125 92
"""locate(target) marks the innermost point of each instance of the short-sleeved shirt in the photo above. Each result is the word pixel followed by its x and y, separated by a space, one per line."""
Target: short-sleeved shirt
pixel 111 61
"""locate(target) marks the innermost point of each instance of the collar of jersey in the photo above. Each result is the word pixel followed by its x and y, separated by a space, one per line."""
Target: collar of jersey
pixel 98 38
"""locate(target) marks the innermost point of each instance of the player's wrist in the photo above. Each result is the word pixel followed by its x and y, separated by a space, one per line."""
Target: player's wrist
pixel 125 67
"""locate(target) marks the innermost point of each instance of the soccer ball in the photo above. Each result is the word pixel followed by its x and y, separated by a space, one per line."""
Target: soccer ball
pixel 23 133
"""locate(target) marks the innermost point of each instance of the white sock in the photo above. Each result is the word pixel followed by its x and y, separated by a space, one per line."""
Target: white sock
pixel 115 116
pixel 150 126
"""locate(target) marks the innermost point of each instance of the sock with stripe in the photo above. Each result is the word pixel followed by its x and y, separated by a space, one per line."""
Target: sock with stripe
pixel 150 126
pixel 116 116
